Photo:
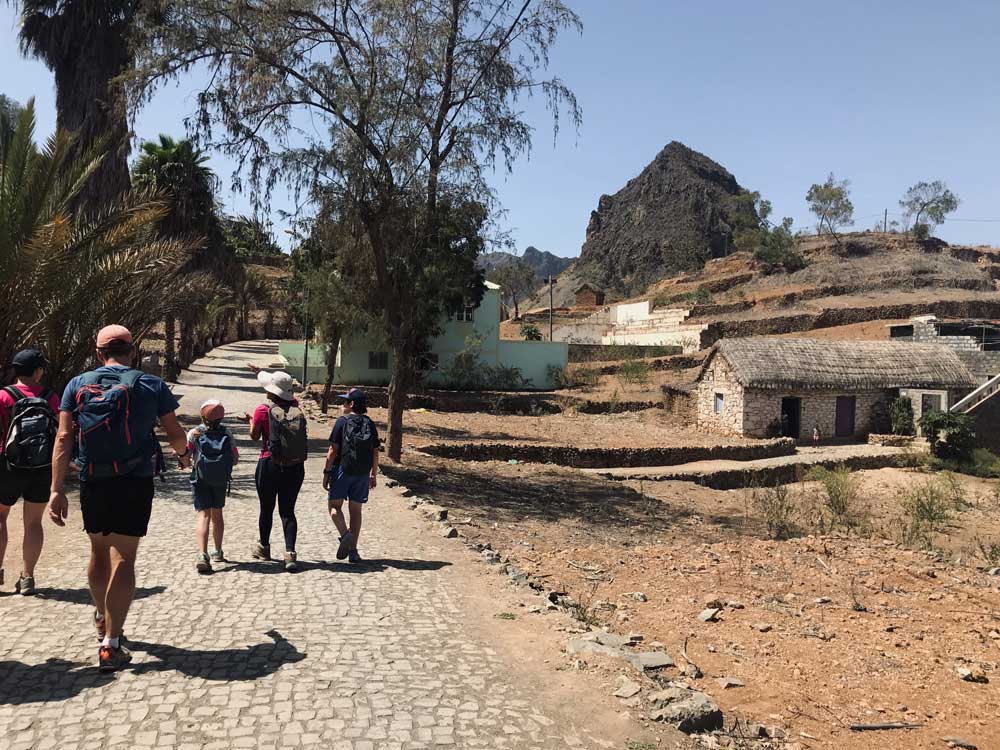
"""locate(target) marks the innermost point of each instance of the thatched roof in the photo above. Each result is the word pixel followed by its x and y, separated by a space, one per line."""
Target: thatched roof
pixel 794 363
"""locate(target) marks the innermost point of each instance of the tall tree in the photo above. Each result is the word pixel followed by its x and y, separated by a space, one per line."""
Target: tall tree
pixel 515 278
pixel 927 204
pixel 10 113
pixel 831 203
pixel 180 170
pixel 85 43
pixel 63 274
pixel 411 103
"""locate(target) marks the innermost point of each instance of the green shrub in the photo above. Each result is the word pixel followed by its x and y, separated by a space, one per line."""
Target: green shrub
pixel 634 372
pixel 951 436
pixel 841 489
pixel 775 504
pixel 901 415
pixel 926 509
pixel 466 371
pixel 990 550
pixel 530 332
pixel 700 296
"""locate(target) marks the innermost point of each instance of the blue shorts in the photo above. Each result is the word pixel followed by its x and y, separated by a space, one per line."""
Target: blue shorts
pixel 208 496
pixel 348 486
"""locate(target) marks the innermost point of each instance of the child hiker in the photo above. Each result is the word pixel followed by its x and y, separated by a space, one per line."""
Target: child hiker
pixel 214 455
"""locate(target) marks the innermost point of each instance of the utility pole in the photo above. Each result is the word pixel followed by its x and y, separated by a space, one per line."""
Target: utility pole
pixel 552 283
pixel 885 222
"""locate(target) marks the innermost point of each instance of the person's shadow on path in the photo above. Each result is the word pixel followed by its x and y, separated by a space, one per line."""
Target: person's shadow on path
pixel 228 664
pixel 269 567
pixel 60 679
pixel 52 680
pixel 82 596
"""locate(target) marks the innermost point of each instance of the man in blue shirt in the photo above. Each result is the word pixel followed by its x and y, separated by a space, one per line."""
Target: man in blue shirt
pixel 112 412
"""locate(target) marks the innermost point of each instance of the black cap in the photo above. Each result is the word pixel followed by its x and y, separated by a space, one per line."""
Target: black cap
pixel 357 396
pixel 30 359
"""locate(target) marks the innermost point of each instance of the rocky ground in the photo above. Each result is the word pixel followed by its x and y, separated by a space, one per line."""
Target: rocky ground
pixel 805 637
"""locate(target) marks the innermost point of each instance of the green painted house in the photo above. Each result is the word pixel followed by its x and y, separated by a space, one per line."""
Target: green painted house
pixel 362 361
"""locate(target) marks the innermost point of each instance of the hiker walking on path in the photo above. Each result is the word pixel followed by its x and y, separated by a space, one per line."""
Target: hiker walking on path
pixel 28 422
pixel 351 470
pixel 213 456
pixel 112 411
pixel 281 427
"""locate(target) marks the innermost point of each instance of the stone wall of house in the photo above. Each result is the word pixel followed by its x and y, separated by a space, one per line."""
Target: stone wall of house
pixel 819 408
pixel 719 379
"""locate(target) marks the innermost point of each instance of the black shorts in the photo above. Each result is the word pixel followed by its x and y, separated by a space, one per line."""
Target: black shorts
pixel 208 496
pixel 33 486
pixel 120 505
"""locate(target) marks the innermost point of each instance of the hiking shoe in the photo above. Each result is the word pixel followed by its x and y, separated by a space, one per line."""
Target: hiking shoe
pixel 111 659
pixel 354 557
pixel 291 562
pixel 346 542
pixel 203 565
pixel 259 551
pixel 25 585
pixel 217 556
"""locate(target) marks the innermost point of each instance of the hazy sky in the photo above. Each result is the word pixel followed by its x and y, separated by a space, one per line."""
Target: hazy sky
pixel 778 92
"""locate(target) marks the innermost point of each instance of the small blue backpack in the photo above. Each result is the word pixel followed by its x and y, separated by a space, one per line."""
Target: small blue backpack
pixel 215 457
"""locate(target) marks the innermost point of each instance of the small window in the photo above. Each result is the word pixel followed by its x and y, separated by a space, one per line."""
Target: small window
pixel 465 313
pixel 378 360
pixel 720 403
pixel 427 362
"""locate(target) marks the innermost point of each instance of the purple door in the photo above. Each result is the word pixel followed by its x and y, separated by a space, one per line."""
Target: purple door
pixel 845 416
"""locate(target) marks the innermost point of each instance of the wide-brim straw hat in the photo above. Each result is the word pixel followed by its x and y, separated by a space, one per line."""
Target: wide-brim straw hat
pixel 278 383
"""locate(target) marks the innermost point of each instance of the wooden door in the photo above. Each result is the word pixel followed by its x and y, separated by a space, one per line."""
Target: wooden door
pixel 846 407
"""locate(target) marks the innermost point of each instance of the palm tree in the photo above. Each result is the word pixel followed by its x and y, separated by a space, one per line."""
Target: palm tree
pixel 180 169
pixel 251 291
pixel 64 274
pixel 85 43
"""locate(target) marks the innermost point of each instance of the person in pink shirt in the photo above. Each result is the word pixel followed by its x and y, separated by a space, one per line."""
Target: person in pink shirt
pixel 18 481
pixel 278 477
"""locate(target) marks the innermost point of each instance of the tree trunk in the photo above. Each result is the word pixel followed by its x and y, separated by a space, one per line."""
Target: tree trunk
pixel 333 344
pixel 187 343
pixel 90 104
pixel 399 389
pixel 169 352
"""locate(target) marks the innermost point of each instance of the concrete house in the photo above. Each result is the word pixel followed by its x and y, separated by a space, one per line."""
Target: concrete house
pixel 765 386
pixel 363 360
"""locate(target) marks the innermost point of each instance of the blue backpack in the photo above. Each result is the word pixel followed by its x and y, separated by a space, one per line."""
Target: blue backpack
pixel 103 409
pixel 215 458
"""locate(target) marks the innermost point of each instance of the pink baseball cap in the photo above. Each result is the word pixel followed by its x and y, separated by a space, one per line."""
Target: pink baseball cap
pixel 212 410
pixel 113 334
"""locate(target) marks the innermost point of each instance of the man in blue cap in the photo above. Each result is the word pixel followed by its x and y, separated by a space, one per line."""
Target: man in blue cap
pixel 28 421
pixel 351 469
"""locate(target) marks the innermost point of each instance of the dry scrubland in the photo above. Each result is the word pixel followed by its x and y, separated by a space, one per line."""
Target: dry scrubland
pixel 863 612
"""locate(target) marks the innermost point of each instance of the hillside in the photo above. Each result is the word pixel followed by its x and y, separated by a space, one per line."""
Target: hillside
pixel 680 211
pixel 543 262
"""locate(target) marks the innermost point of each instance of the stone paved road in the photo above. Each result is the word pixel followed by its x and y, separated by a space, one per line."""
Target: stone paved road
pixel 334 656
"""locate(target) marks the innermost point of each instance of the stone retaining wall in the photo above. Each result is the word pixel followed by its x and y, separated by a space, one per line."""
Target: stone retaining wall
pixel 894 441
pixel 607 458
pixel 983 308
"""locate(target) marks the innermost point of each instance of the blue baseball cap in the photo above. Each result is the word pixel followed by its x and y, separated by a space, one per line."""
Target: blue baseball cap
pixel 355 394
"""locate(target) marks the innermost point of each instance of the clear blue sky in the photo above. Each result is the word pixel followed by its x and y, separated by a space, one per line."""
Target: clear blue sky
pixel 779 92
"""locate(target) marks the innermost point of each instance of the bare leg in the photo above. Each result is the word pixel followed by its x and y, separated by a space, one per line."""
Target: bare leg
pixel 202 531
pixel 33 536
pixel 4 512
pixel 99 570
pixel 117 552
pixel 356 512
pixel 336 508
pixel 218 527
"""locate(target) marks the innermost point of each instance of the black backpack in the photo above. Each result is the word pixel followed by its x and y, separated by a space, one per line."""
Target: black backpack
pixel 287 439
pixel 31 433
pixel 357 443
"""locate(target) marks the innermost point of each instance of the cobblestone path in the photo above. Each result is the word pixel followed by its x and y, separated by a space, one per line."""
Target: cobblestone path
pixel 334 656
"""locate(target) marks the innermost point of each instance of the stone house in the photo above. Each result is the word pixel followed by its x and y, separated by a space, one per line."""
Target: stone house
pixel 588 296
pixel 761 387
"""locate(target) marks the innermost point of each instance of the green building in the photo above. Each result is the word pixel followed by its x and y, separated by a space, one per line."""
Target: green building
pixel 363 361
